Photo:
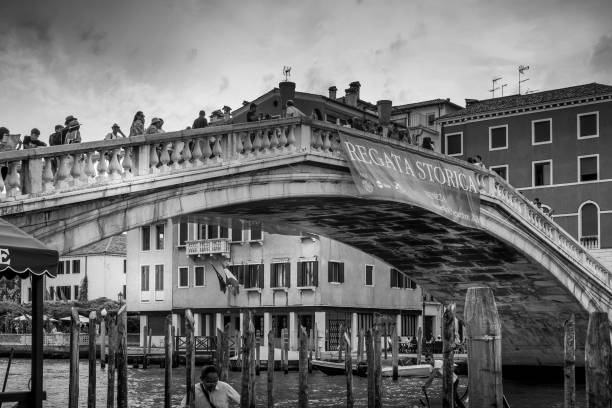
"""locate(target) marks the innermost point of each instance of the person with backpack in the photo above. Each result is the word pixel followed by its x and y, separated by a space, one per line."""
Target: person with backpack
pixel 210 392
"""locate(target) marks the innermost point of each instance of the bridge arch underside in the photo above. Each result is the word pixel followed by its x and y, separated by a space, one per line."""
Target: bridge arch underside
pixel 446 259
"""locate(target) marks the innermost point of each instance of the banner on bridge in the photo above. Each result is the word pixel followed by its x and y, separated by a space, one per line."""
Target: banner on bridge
pixel 382 171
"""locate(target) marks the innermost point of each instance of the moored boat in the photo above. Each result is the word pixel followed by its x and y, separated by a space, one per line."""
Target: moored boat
pixel 330 367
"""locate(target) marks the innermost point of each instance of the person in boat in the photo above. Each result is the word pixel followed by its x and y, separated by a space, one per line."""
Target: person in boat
pixel 211 392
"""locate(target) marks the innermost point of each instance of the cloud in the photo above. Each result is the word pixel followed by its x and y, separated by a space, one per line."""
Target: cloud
pixel 398 44
pixel 96 40
pixel 315 80
pixel 224 84
pixel 192 54
pixel 601 60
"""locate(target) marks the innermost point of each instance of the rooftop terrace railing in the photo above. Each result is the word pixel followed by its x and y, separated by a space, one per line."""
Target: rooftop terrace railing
pixel 53 171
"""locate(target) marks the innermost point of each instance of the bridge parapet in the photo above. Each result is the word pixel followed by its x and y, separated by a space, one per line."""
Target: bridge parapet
pixel 50 172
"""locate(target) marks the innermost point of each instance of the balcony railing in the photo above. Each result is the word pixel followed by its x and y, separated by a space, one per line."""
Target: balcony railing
pixel 219 246
pixel 590 242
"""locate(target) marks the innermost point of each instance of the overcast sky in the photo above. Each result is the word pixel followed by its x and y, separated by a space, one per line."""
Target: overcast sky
pixel 103 60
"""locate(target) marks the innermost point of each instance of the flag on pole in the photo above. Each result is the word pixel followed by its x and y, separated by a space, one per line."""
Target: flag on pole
pixel 231 280
pixel 222 283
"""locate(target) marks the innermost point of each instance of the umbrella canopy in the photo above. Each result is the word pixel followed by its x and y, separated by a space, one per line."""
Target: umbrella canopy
pixel 82 319
pixel 23 254
pixel 23 318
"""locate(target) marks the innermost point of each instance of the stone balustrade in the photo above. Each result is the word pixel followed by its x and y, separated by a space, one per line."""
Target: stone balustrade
pixel 55 170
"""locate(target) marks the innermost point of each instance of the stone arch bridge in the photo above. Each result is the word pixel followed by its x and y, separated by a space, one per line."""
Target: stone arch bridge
pixel 295 172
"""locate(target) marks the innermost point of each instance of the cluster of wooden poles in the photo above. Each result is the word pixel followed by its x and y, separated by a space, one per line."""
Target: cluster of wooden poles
pixel 483 338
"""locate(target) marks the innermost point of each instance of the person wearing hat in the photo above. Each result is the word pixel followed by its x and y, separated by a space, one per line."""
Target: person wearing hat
pixel 292 110
pixel 71 133
pixel 30 142
pixel 9 141
pixel 116 131
pixel 155 127
pixel 56 137
pixel 200 121
pixel 252 113
pixel 137 127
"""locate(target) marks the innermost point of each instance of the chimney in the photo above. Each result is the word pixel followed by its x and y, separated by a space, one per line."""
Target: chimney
pixel 287 91
pixel 469 102
pixel 352 94
pixel 384 111
pixel 332 92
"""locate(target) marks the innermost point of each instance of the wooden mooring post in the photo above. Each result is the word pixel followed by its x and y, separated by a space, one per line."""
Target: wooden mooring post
pixel 103 339
pixel 394 353
pixel 168 362
pixel 371 369
pixel 144 349
pixel 226 354
pixel 597 361
pixel 360 340
pixel 257 353
pixel 248 342
pixel 189 358
pixel 121 357
pixel 285 349
pixel 348 367
pixel 73 386
pixel 311 346
pixel 419 344
pixel 569 363
pixel 175 349
pixel 270 369
pixel 377 367
pixel 303 367
pixel 484 348
pixel 316 342
pixel 110 371
pixel 448 355
pixel 91 389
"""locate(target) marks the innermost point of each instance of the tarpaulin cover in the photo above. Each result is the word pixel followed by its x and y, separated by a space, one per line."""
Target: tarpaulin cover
pixel 23 254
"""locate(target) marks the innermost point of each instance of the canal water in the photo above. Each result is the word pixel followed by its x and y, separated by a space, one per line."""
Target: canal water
pixel 146 388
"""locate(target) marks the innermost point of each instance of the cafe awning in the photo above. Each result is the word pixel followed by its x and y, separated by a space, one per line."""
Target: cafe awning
pixel 22 254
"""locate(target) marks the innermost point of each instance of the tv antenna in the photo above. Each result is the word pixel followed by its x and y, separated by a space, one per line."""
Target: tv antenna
pixel 529 91
pixel 493 88
pixel 286 72
pixel 502 88
pixel 521 71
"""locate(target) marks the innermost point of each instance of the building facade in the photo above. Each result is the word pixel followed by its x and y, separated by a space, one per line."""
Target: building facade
pixel 287 280
pixel 551 145
pixel 104 263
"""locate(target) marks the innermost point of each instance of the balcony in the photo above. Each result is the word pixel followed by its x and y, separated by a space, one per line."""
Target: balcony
pixel 218 246
pixel 590 242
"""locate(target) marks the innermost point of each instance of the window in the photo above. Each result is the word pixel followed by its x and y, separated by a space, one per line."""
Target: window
pixel 76 292
pixel 60 268
pixel 236 232
pixel 280 275
pixel 588 167
pixel 183 233
pixel 335 272
pixel 51 292
pixel 254 277
pixel 399 280
pixel 159 236
pixel 369 275
pixel 159 278
pixel 431 119
pixel 238 272
pixel 308 273
pixel 63 292
pixel 542 173
pixel 588 227
pixel 124 292
pixel 199 276
pixel 588 125
pixel 76 266
pixel 498 137
pixel 541 131
pixel 454 144
pixel 125 266
pixel 502 171
pixel 213 232
pixel 256 233
pixel 144 278
pixel 67 267
pixel 29 294
pixel 146 238
pixel 183 277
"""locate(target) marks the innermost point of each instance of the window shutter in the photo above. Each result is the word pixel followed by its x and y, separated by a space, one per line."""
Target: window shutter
pixel 316 274
pixel 330 270
pixel 391 278
pixel 273 283
pixel 341 273
pixel 300 274
pixel 260 272
pixel 287 275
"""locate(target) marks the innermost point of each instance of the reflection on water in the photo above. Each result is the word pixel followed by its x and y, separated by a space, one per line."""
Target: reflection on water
pixel 146 388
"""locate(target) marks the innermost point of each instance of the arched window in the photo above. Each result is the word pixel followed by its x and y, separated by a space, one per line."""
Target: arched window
pixel 588 225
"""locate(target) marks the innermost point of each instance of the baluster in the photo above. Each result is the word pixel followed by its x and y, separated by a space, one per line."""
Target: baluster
pixel 164 157
pixel 89 172
pixel 76 171
pixel 274 139
pixel 239 146
pixel 217 150
pixel 177 146
pixel 291 137
pixel 186 154
pixel 196 155
pixel 283 137
pixel 153 159
pixel 327 142
pixel 127 164
pixel 257 143
pixel 265 140
pixel 47 175
pixel 13 182
pixel 248 146
pixel 114 168
pixel 63 173
pixel 207 151
pixel 317 141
